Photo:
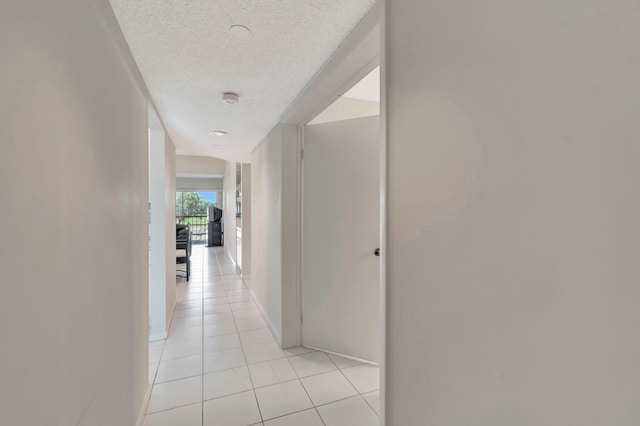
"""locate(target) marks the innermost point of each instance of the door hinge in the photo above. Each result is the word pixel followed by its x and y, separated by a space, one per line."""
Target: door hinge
pixel 302 154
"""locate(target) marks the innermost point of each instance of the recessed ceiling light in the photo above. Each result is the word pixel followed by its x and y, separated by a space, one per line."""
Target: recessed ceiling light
pixel 216 146
pixel 219 132
pixel 240 32
pixel 230 98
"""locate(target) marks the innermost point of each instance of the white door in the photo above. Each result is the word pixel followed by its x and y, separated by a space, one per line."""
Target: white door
pixel 341 225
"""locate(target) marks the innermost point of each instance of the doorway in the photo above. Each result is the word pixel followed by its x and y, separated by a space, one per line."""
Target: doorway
pixel 327 115
pixel 192 209
pixel 161 232
pixel 341 225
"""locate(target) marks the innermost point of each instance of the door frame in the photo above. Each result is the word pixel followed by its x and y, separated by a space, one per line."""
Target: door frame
pixel 359 54
pixel 158 284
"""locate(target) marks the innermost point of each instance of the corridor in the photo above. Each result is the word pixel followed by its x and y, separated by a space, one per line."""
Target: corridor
pixel 221 365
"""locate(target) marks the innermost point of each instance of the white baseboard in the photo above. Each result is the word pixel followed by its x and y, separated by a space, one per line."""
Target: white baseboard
pixel 143 409
pixel 235 265
pixel 173 310
pixel 157 336
pixel 273 329
pixel 163 335
pixel 361 360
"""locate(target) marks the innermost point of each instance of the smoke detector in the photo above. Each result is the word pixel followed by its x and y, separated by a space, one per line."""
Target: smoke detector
pixel 230 98
pixel 240 32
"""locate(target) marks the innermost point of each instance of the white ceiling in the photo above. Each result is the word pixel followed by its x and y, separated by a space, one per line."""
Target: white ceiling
pixel 362 100
pixel 188 58
pixel 367 89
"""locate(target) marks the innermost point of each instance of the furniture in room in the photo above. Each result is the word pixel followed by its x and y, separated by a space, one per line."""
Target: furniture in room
pixel 183 247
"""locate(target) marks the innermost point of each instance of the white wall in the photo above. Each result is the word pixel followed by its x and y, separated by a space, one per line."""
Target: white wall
pixel 266 223
pixel 196 165
pixel 274 247
pixel 74 253
pixel 162 264
pixel 229 209
pixel 199 184
pixel 346 109
pixel 158 319
pixel 170 226
pixel 291 230
pixel 246 220
pixel 513 230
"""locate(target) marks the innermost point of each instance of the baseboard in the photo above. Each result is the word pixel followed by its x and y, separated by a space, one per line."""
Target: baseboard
pixel 273 329
pixel 157 336
pixel 173 310
pixel 235 265
pixel 143 409
pixel 163 335
pixel 361 360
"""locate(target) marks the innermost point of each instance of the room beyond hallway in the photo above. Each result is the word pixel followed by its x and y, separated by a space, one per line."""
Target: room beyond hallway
pixel 221 366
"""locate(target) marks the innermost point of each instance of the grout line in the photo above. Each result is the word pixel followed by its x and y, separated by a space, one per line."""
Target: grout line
pixel 173 408
pixel 295 412
pixel 223 279
pixel 253 388
pixel 298 378
pixel 333 402
pixel 202 350
pixel 354 386
pixel 318 412
pixel 308 396
pixel 367 402
pixel 351 383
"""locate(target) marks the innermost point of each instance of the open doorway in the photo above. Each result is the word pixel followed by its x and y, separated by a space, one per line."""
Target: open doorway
pixel 339 281
pixel 192 209
pixel 341 225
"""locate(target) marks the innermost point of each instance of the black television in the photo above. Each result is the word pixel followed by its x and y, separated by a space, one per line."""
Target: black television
pixel 215 214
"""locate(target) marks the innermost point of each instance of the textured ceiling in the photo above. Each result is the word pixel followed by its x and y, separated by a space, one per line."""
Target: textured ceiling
pixel 189 57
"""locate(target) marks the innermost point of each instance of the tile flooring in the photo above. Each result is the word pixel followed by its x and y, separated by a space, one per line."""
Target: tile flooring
pixel 221 366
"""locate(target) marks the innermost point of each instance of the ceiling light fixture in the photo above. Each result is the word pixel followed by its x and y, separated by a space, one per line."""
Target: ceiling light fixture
pixel 218 132
pixel 230 98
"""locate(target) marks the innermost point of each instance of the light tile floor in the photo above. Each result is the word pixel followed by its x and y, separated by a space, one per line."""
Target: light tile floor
pixel 221 365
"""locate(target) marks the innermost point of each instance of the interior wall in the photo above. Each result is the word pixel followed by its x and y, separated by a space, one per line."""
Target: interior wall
pixel 266 223
pixel 74 252
pixel 200 184
pixel 346 109
pixel 291 238
pixel 197 165
pixel 159 297
pixel 229 209
pixel 239 260
pixel 513 231
pixel 246 220
pixel 170 226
